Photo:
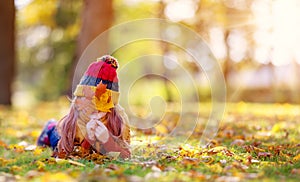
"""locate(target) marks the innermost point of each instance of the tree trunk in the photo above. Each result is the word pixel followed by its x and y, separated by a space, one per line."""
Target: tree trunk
pixel 7 50
pixel 97 16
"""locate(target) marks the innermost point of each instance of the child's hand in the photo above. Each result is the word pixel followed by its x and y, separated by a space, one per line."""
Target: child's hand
pixel 114 144
pixel 91 127
pixel 101 132
pixel 96 129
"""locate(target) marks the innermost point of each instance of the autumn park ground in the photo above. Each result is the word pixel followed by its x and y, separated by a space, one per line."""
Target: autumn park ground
pixel 255 142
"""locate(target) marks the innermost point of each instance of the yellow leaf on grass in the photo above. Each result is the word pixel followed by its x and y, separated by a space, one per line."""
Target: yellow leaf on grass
pixel 37 151
pixel 207 159
pixel 277 127
pixel 190 161
pixel 297 157
pixel 17 148
pixel 216 150
pixel 40 165
pixel 76 163
pixel 57 177
pixel 63 161
pixel 3 161
pixel 15 168
pixel 216 168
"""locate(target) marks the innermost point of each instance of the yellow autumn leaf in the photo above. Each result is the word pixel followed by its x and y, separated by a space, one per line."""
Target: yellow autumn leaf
pixel 15 168
pixel 216 149
pixel 61 161
pixel 51 160
pixel 297 157
pixel 17 148
pixel 277 127
pixel 40 165
pixel 64 161
pixel 216 168
pixel 76 163
pixel 56 177
pixel 37 151
pixel 3 161
pixel 190 161
pixel 207 159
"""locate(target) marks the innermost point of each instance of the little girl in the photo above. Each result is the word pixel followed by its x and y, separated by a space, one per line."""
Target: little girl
pixel 95 119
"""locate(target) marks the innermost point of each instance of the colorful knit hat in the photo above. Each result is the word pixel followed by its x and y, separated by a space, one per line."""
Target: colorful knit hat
pixel 100 83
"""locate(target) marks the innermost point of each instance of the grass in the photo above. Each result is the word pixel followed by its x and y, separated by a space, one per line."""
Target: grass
pixel 255 142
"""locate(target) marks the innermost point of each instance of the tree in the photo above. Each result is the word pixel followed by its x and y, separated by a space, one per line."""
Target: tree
pixel 97 16
pixel 7 50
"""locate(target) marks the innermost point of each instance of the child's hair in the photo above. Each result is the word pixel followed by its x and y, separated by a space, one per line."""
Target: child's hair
pixel 67 130
pixel 114 122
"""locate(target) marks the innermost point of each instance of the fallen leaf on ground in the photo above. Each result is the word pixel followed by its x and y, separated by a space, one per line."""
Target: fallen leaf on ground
pixel 297 157
pixel 264 154
pixel 216 150
pixel 238 142
pixel 190 161
pixel 295 171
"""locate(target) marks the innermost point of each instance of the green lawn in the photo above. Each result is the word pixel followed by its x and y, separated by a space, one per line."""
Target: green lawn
pixel 255 142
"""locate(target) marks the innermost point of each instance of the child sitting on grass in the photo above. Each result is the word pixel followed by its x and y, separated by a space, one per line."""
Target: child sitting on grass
pixel 95 121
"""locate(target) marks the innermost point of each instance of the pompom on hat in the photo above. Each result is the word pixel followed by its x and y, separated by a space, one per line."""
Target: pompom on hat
pixel 101 77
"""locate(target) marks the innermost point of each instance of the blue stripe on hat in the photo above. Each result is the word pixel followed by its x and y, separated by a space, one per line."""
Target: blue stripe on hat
pixel 92 81
pixel 89 80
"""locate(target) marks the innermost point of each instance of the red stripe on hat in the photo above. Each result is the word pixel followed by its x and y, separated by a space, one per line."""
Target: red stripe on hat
pixel 102 70
pixel 94 69
pixel 116 79
pixel 107 72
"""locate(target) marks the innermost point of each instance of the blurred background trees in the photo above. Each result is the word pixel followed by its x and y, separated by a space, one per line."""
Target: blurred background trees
pixel 255 41
pixel 7 50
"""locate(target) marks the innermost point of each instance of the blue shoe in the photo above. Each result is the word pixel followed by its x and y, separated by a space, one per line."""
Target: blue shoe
pixel 43 139
pixel 53 137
